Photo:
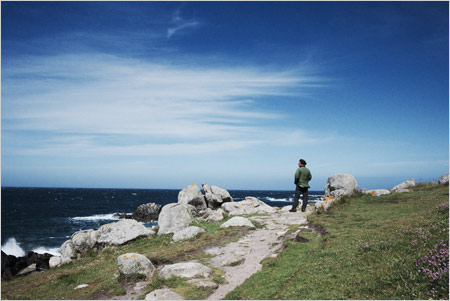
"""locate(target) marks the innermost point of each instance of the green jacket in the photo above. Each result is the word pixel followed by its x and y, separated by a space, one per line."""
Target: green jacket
pixel 302 177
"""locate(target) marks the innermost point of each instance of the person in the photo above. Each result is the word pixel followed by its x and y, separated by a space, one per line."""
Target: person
pixel 302 177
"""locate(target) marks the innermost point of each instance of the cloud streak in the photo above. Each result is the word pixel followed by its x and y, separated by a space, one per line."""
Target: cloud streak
pixel 100 104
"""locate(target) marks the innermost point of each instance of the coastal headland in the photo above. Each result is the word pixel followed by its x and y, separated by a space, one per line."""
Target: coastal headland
pixel 209 248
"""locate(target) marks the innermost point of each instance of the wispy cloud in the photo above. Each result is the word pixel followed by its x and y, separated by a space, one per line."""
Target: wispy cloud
pixel 180 24
pixel 100 104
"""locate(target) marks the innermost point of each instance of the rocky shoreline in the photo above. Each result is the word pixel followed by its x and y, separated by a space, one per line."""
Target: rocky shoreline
pixel 175 219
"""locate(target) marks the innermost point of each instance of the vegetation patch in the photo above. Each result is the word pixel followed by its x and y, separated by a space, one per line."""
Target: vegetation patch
pixel 372 250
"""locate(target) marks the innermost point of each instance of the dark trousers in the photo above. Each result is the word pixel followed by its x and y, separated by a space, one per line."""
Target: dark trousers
pixel 300 190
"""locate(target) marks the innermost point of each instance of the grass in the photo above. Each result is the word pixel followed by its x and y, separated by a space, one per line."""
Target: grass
pixel 369 248
pixel 99 269
pixel 370 251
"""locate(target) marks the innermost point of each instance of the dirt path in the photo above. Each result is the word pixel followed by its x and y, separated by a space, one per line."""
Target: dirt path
pixel 242 259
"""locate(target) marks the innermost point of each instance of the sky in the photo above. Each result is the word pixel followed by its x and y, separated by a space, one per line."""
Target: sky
pixel 168 94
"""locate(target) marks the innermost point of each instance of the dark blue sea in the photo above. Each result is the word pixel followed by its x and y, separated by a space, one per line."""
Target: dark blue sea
pixel 42 219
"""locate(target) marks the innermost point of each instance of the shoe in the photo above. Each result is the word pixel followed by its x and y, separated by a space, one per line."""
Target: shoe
pixel 293 210
pixel 303 210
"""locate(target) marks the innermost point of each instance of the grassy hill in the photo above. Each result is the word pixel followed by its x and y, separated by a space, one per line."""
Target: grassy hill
pixel 387 247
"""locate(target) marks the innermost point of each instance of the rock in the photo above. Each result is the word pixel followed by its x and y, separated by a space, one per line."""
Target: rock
pixel 215 196
pixel 81 286
pixel 237 221
pixel 121 232
pixel 377 192
pixel 191 195
pixel 187 233
pixel 29 269
pixel 185 270
pixel 163 294
pixel 404 185
pixel 443 179
pixel 402 190
pixel 68 251
pixel 216 216
pixel 54 261
pixel 340 184
pixel 175 217
pixel 325 203
pixel 250 205
pixel 134 263
pixel 147 212
pixel 204 283
pixel 84 240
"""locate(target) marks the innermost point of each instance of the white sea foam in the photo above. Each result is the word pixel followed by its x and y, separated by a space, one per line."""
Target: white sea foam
pixel 96 217
pixel 12 247
pixel 43 250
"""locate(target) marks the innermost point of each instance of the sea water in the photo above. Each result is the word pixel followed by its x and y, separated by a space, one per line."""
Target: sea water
pixel 42 219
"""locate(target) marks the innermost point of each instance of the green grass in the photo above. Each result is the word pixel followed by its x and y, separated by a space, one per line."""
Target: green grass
pixel 370 251
pixel 99 268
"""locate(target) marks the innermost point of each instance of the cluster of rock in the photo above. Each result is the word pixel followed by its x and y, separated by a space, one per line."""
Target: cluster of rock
pixel 339 185
pixel 111 234
pixel 16 266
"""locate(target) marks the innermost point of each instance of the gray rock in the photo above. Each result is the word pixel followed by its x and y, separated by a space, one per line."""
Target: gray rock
pixel 377 192
pixel 81 286
pixel 54 261
pixel 29 269
pixel 237 221
pixel 405 185
pixel 443 179
pixel 147 212
pixel 250 205
pixel 134 263
pixel 185 270
pixel 340 184
pixel 191 195
pixel 121 232
pixel 175 217
pixel 163 294
pixel 325 202
pixel 216 196
pixel 187 233
pixel 84 240
pixel 216 216
pixel 402 190
pixel 68 251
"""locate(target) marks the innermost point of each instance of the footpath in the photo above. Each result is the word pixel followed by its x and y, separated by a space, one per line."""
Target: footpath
pixel 242 259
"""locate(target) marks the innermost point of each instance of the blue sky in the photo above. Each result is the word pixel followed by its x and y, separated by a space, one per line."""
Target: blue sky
pixel 165 94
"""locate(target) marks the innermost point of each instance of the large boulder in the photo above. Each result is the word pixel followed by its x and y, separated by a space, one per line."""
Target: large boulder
pixel 175 217
pixel 404 185
pixel 68 251
pixel 250 205
pixel 121 232
pixel 237 221
pixel 191 195
pixel 443 179
pixel 187 233
pixel 215 196
pixel 215 216
pixel 185 270
pixel 134 263
pixel 147 212
pixel 340 184
pixel 84 240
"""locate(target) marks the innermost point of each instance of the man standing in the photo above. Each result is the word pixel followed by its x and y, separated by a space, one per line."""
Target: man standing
pixel 302 177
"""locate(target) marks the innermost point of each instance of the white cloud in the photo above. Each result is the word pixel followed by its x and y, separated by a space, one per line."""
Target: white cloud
pixel 143 108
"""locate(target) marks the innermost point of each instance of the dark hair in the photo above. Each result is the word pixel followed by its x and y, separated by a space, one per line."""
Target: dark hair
pixel 303 162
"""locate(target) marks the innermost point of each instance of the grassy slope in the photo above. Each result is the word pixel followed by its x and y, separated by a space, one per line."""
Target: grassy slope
pixel 99 269
pixel 370 251
pixel 371 244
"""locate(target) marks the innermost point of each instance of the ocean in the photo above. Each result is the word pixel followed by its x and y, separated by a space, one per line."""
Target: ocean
pixel 42 219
